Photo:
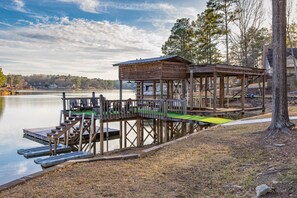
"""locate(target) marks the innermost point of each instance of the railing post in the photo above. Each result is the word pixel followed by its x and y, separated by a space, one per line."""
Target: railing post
pixel 93 94
pixel 64 102
pixel 184 104
pixel 165 108
pixel 101 106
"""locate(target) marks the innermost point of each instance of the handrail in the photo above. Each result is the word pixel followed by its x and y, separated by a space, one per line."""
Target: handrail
pixel 121 109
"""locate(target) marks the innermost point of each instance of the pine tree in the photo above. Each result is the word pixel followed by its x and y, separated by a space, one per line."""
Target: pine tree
pixel 179 42
pixel 209 27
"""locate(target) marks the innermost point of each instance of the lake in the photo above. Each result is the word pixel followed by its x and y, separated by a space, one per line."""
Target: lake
pixel 39 109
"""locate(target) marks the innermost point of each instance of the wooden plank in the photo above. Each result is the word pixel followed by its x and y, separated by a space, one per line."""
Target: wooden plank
pixel 263 95
pixel 161 89
pixel 215 91
pixel 222 91
pixel 191 89
pixel 205 91
pixel 101 137
pixel 242 92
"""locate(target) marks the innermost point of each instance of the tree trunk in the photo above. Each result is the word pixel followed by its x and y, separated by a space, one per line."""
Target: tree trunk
pixel 280 122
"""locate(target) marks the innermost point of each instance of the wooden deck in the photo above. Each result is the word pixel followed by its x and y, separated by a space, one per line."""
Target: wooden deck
pixel 40 134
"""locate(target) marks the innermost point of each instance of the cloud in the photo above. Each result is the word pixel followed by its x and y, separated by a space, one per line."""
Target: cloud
pixel 72 46
pixel 91 6
pixel 166 13
pixel 19 5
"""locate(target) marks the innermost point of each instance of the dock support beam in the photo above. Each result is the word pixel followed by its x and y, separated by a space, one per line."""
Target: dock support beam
pixel 154 90
pixel 138 125
pixel 101 137
pixel 242 93
pixel 206 88
pixel 161 89
pixel 166 138
pixel 222 91
pixel 215 92
pixel 263 94
pixel 191 90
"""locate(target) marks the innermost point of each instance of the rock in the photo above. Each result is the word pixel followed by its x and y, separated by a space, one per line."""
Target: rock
pixel 263 189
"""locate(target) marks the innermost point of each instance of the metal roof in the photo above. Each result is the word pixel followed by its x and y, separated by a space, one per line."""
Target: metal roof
pixel 173 58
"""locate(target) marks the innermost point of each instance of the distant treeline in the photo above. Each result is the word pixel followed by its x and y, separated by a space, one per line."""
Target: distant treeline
pixel 42 81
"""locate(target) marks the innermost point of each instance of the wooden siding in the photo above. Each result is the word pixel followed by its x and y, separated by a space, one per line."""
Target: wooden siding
pixel 153 71
pixel 226 70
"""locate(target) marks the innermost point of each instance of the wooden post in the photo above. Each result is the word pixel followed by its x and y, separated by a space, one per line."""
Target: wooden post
pixel 64 101
pixel 121 90
pixel 222 91
pixel 154 130
pixel 91 132
pixel 214 91
pixel 184 128
pixel 263 94
pixel 206 88
pixel 107 136
pixel 160 131
pixel 161 89
pixel 168 89
pixel 242 93
pixel 191 128
pixel 101 137
pixel 95 135
pixel 138 125
pixel 184 88
pixel 154 90
pixel 166 135
pixel 121 134
pixel 171 89
pixel 141 89
pixel 81 130
pixel 191 89
pixel 125 132
pixel 200 92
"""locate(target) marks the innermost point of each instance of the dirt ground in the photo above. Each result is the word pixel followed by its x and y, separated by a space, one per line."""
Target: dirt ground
pixel 225 161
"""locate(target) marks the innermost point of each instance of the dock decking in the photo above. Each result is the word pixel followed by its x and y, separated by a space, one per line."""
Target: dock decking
pixel 40 134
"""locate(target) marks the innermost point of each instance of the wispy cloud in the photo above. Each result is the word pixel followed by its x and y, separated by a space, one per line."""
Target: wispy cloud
pixel 85 5
pixel 167 13
pixel 19 5
pixel 72 46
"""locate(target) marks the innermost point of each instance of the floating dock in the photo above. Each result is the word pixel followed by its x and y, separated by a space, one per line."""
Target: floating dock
pixel 42 151
pixel 40 134
pixel 54 160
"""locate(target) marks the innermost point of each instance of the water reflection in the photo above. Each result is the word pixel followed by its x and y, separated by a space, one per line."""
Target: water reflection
pixel 32 111
pixel 2 106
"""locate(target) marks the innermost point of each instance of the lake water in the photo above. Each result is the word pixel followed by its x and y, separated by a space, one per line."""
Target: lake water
pixel 31 111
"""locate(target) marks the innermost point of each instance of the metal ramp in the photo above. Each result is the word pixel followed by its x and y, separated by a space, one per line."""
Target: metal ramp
pixel 42 151
pixel 58 159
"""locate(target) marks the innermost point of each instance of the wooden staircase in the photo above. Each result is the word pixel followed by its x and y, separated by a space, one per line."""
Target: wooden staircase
pixel 67 132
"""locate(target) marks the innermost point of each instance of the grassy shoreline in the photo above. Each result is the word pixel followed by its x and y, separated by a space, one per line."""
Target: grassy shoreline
pixel 225 161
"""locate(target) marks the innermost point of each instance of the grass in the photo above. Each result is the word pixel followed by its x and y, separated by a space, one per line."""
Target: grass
pixel 226 161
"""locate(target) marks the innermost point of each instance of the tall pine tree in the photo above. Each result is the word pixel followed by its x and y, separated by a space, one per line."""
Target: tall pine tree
pixel 180 40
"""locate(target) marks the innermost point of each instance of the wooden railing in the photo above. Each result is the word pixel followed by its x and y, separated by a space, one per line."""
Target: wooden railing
pixel 123 109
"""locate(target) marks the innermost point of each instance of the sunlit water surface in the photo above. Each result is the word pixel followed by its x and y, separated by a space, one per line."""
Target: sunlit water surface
pixel 32 111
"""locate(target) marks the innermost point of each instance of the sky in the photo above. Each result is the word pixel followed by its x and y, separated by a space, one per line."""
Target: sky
pixel 85 37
